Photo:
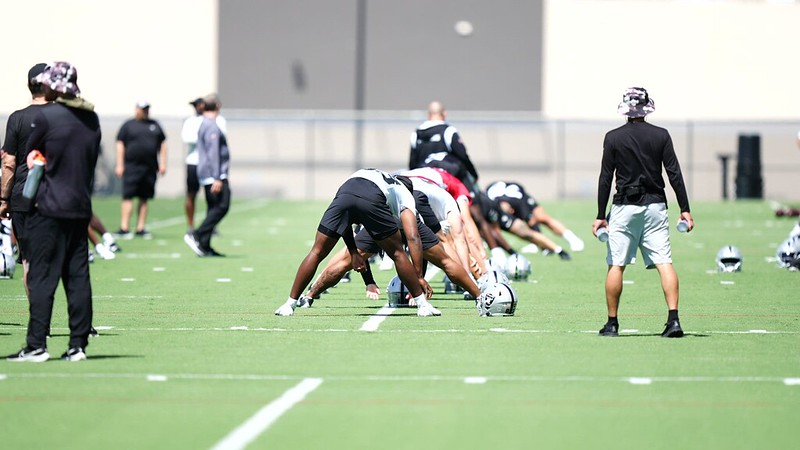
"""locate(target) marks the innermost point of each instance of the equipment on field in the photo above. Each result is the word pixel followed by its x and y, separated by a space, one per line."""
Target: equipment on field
pixel 497 299
pixel 398 293
pixel 8 263
pixel 788 252
pixel 517 267
pixel 492 276
pixel 729 259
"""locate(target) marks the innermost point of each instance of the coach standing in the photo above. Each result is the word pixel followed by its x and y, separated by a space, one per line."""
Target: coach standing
pixel 212 173
pixel 67 133
pixel 141 157
pixel 635 153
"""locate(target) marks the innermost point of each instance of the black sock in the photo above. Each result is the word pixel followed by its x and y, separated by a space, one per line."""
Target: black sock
pixel 673 315
pixel 612 321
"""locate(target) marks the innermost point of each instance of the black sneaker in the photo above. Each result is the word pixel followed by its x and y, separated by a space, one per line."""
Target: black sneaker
pixel 93 332
pixel 673 330
pixel 212 253
pixel 124 234
pixel 28 354
pixel 191 241
pixel 114 247
pixel 74 354
pixel 564 255
pixel 144 234
pixel 609 329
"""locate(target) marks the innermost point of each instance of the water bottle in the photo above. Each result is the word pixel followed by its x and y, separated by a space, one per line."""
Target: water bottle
pixel 34 178
pixel 683 226
pixel 602 234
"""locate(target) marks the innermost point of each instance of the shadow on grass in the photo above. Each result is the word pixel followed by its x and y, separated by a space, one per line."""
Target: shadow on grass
pixel 685 335
pixel 93 357
pixel 10 324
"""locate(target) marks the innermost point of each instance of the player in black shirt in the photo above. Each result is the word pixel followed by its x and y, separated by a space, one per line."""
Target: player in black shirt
pixel 67 133
pixel 635 153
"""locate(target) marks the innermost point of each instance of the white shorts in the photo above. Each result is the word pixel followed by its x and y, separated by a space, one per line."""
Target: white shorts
pixel 632 227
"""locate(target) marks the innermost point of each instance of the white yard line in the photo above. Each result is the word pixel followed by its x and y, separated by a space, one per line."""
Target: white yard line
pixel 375 321
pixel 266 416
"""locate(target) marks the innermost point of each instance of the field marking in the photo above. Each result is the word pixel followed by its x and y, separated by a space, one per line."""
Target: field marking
pixel 375 321
pixel 641 380
pixel 3 376
pixel 22 328
pixel 154 377
pixel 266 416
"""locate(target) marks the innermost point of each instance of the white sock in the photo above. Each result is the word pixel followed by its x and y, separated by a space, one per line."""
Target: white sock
pixel 108 238
pixel 419 300
pixel 558 249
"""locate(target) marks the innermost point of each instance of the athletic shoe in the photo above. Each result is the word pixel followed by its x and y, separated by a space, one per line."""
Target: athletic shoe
pixel 91 256
pixel 93 332
pixel 212 253
pixel 113 247
pixel 28 354
pixel 144 234
pixel 304 302
pixel 191 241
pixel 345 278
pixel 673 329
pixel 468 296
pixel 610 329
pixel 124 234
pixel 530 248
pixel 564 255
pixel 74 354
pixel 104 252
pixel 287 309
pixel 425 309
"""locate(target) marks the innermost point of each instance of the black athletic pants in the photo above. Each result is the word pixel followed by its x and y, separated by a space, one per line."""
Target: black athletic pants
pixel 218 205
pixel 58 250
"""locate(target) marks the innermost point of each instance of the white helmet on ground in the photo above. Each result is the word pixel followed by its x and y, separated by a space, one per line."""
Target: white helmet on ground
pixel 729 259
pixel 492 276
pixel 7 265
pixel 497 299
pixel 517 267
pixel 788 251
pixel 397 292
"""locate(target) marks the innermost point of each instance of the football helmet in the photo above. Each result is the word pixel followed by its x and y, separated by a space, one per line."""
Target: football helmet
pixel 788 251
pixel 517 267
pixel 497 299
pixel 7 266
pixel 729 259
pixel 492 276
pixel 397 292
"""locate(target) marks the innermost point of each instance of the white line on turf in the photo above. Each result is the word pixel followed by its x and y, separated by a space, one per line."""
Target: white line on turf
pixel 374 322
pixel 640 380
pixel 266 416
pixel 475 380
pixel 3 376
pixel 791 381
pixel 153 377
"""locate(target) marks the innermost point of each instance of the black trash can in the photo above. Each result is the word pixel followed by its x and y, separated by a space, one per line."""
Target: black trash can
pixel 749 183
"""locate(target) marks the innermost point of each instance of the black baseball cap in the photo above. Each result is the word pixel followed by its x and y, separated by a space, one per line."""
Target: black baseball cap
pixel 35 71
pixel 197 101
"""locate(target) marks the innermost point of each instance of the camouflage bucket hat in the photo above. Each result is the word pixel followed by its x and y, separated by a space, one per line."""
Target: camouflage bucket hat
pixel 61 77
pixel 636 103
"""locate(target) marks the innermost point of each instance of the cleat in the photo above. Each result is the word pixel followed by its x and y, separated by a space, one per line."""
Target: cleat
pixel 673 330
pixel 304 302
pixel 426 310
pixel 113 247
pixel 609 329
pixel 93 332
pixel 191 241
pixel 28 354
pixel 104 252
pixel 287 309
pixel 144 234
pixel 124 234
pixel 564 255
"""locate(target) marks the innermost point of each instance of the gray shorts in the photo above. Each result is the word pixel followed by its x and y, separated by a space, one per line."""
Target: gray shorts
pixel 632 227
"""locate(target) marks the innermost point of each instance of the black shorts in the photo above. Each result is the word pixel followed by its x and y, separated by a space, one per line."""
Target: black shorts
pixel 192 183
pixel 426 212
pixel 18 220
pixel 139 183
pixel 358 201
pixel 366 243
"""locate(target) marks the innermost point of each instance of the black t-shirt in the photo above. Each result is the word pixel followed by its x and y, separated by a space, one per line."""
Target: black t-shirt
pixel 142 139
pixel 18 130
pixel 69 138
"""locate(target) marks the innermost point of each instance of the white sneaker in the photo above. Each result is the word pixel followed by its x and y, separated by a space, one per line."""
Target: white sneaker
pixel 576 244
pixel 530 248
pixel 287 309
pixel 426 310
pixel 386 263
pixel 104 252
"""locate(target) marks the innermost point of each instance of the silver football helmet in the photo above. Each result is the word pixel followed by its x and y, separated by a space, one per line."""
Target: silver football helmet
pixel 729 259
pixel 788 252
pixel 492 276
pixel 397 293
pixel 7 265
pixel 7 262
pixel 517 267
pixel 497 299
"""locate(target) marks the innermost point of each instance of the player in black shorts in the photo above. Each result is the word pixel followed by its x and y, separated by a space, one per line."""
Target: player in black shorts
pixel 375 200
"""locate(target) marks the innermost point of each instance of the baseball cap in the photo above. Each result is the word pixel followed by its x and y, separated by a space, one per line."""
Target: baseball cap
pixel 197 101
pixel 60 76
pixel 35 71
pixel 636 102
pixel 142 104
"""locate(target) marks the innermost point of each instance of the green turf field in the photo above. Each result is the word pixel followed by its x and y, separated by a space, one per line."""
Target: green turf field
pixel 191 356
